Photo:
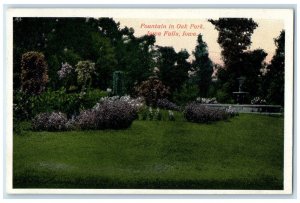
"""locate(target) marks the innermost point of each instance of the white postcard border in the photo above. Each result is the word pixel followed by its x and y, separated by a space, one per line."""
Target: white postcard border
pixel 282 14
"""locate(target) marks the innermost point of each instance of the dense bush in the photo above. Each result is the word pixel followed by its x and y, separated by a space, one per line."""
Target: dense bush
pixel 186 94
pixel 152 90
pixel 69 103
pixel 54 121
pixel 107 115
pixel 202 114
pixel 166 104
pixel 136 103
pixel 34 73
pixel 84 70
pixel 65 71
pixel 21 105
pixel 87 120
pixel 67 76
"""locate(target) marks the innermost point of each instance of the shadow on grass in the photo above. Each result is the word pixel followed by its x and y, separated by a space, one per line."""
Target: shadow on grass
pixel 42 181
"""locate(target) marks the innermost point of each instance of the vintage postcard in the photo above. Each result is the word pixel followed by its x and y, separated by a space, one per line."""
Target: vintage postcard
pixel 149 101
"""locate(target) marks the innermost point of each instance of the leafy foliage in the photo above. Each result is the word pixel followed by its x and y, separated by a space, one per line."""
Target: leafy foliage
pixel 108 115
pixel 59 100
pixel 152 90
pixel 100 40
pixel 173 67
pixel 84 70
pixel 188 92
pixel 202 66
pixel 198 113
pixel 21 106
pixel 253 64
pixel 235 38
pixel 274 79
pixel 136 103
pixel 118 83
pixel 54 121
pixel 34 75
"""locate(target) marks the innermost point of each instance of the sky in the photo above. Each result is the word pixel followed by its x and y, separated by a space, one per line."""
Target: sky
pixel 263 36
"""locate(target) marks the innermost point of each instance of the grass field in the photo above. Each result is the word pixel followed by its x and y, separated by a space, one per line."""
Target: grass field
pixel 245 152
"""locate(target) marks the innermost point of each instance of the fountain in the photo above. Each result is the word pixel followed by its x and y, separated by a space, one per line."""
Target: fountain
pixel 240 95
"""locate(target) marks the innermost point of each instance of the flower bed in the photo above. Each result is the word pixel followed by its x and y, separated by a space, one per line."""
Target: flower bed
pixel 198 113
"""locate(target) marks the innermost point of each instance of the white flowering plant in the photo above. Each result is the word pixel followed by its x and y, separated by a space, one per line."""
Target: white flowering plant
pixel 65 71
pixel 206 100
pixel 258 101
pixel 136 103
pixel 84 70
pixel 54 121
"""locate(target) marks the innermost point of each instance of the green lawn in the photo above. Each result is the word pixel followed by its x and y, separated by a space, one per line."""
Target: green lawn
pixel 245 152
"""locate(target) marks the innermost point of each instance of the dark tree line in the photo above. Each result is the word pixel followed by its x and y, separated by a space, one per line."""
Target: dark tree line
pixel 235 40
pixel 112 48
pixel 72 39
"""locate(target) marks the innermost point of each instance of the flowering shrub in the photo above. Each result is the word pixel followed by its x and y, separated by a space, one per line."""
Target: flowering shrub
pixel 207 100
pixel 54 121
pixel 202 114
pixel 84 70
pixel 65 71
pixel 152 90
pixel 136 103
pixel 166 104
pixel 258 100
pixel 71 124
pixel 34 73
pixel 107 115
pixel 87 120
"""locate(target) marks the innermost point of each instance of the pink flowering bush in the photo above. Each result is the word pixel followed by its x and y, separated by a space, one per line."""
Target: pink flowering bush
pixel 54 121
pixel 198 113
pixel 88 120
pixel 116 114
pixel 136 103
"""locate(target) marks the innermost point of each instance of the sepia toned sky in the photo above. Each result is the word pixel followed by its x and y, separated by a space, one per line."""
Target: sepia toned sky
pixel 263 36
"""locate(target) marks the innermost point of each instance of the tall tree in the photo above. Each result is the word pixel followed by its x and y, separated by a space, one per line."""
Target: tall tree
pixel 203 66
pixel 274 79
pixel 74 39
pixel 135 58
pixel 253 64
pixel 234 38
pixel 173 67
